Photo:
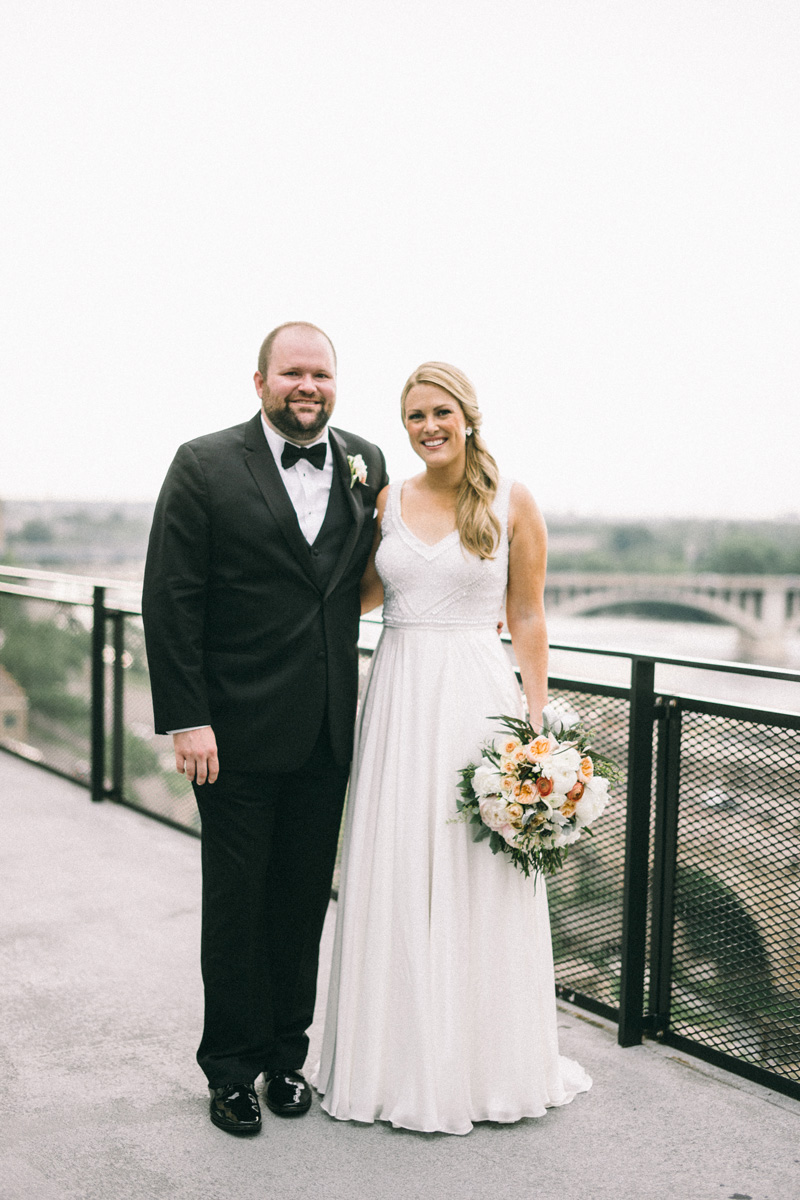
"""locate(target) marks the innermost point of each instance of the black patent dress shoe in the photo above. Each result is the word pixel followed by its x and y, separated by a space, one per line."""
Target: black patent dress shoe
pixel 287 1094
pixel 234 1108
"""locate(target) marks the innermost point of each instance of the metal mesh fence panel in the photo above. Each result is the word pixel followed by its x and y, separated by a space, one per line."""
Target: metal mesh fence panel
pixel 585 897
pixel 150 778
pixel 736 952
pixel 45 683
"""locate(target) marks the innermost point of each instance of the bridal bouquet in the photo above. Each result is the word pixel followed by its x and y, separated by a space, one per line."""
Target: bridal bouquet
pixel 533 794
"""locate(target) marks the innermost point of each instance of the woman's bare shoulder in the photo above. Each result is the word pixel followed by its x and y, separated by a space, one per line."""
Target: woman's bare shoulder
pixel 524 512
pixel 380 501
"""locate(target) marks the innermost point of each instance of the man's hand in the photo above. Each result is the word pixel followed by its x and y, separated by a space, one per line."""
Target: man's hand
pixel 196 754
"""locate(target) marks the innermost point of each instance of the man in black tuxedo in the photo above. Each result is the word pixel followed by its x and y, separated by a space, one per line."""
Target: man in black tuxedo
pixel 251 606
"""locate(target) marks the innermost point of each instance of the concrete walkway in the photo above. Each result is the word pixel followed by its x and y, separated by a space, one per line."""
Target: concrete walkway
pixel 100 1010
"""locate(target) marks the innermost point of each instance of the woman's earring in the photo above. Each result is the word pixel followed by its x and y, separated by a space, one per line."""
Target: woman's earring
pixel 468 431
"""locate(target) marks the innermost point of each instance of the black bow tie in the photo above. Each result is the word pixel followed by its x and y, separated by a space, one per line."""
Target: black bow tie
pixel 315 455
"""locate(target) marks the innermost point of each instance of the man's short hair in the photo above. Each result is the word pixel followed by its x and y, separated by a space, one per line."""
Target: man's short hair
pixel 266 345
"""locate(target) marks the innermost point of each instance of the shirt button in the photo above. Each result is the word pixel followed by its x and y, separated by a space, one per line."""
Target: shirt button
pixel 315 553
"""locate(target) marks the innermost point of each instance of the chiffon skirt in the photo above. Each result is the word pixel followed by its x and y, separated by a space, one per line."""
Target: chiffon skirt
pixel 441 1010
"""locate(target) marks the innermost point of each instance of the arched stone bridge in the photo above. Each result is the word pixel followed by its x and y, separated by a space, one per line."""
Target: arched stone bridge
pixel 764 608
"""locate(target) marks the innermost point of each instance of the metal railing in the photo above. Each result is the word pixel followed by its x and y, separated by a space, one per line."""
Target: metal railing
pixel 677 919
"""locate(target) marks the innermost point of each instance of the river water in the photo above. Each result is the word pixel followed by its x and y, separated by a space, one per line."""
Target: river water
pixel 679 639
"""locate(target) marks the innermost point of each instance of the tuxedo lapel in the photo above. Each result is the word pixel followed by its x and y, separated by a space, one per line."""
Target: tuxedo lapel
pixel 342 468
pixel 264 469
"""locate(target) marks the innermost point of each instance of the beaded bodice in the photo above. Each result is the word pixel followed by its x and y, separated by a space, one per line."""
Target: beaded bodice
pixel 440 586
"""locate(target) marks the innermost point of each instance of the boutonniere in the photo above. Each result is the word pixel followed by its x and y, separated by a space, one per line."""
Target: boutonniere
pixel 358 469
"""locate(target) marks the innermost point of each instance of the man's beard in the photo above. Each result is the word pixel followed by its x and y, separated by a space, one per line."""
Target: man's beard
pixel 288 424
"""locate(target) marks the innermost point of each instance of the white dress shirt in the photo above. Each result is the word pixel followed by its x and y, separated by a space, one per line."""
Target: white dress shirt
pixel 308 488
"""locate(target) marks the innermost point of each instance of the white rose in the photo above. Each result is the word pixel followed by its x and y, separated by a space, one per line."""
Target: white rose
pixel 592 803
pixel 563 781
pixel 566 836
pixel 558 721
pixel 552 719
pixel 494 812
pixel 486 780
pixel 567 759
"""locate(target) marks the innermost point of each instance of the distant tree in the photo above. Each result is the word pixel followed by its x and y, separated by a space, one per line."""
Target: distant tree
pixel 139 757
pixel 624 538
pixel 720 931
pixel 42 658
pixel 742 553
pixel 36 531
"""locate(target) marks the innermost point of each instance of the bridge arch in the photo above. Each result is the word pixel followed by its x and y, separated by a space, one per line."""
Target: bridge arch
pixel 605 599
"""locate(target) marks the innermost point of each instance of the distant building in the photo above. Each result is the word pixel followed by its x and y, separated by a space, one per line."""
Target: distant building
pixel 13 709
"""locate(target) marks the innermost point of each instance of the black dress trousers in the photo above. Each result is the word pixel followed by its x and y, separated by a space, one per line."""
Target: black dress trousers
pixel 268 852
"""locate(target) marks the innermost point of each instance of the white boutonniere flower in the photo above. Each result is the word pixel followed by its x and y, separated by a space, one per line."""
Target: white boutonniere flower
pixel 358 469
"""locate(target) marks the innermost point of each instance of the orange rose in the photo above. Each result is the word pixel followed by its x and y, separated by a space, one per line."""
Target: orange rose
pixel 509 745
pixel 568 808
pixel 575 792
pixel 507 784
pixel 539 748
pixel 544 786
pixel 525 791
pixel 586 768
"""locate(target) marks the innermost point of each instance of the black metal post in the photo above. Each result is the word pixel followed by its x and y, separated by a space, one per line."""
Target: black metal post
pixel 98 728
pixel 665 851
pixel 118 727
pixel 637 847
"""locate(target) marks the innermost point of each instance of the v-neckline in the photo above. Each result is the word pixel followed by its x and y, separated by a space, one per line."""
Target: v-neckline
pixel 401 519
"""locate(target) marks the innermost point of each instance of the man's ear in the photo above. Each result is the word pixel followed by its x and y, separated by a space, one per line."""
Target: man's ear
pixel 259 381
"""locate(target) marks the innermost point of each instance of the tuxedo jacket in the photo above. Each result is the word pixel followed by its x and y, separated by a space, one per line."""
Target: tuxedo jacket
pixel 248 628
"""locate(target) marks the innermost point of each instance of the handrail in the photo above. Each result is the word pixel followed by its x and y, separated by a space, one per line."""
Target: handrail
pixel 708 664
pixel 66 577
pixel 66 588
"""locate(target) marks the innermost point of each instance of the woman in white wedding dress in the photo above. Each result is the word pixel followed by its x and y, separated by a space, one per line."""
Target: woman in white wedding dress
pixel 441 1008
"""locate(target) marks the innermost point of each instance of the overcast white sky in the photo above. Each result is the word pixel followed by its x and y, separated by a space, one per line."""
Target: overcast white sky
pixel 591 206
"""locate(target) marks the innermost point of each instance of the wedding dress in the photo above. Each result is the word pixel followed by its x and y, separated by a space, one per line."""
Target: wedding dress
pixel 441 1009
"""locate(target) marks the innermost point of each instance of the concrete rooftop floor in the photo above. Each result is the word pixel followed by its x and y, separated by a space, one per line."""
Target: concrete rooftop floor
pixel 100 1012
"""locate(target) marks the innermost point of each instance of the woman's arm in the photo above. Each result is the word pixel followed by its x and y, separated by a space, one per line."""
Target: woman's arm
pixel 371 586
pixel 527 567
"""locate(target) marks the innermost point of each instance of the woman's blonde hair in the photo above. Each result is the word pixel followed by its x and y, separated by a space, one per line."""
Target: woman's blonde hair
pixel 478 527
